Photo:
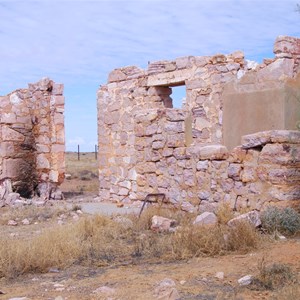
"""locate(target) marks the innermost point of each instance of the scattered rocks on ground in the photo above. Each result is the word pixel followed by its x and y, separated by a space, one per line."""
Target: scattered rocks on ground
pixel 166 290
pixel 246 280
pixel 105 290
pixel 162 224
pixel 188 207
pixel 206 218
pixel 12 223
pixel 253 217
pixel 25 221
pixel 220 275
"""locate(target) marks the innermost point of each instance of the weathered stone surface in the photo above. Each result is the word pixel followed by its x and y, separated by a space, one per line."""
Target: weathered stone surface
pixel 286 45
pixel 31 126
pixel 105 291
pixel 212 152
pixel 282 154
pixel 272 136
pixel 245 280
pixel 180 152
pixel 166 290
pixel 162 224
pixel 206 218
pixel 253 217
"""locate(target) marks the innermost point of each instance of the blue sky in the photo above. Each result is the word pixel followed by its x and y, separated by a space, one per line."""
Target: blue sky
pixel 79 42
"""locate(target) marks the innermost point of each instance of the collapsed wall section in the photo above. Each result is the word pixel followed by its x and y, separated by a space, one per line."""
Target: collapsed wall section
pixel 146 146
pixel 32 141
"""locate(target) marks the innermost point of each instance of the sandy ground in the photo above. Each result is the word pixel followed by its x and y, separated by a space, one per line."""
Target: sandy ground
pixel 195 279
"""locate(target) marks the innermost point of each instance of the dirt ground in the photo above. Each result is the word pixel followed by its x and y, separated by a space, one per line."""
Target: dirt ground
pixel 194 279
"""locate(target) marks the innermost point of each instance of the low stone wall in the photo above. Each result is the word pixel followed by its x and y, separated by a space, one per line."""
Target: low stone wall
pixel 263 170
pixel 32 141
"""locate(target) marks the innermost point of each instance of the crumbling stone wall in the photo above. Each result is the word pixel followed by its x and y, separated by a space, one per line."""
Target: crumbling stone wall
pixel 146 146
pixel 32 141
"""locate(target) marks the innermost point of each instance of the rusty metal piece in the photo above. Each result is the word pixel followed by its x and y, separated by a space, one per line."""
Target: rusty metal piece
pixel 153 198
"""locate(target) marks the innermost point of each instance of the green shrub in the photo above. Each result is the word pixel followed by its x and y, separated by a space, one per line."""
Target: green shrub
pixel 285 220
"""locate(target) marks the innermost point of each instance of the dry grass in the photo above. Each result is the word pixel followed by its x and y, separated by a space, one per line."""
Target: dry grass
pixel 32 213
pixel 224 213
pixel 273 276
pixel 289 292
pixel 84 174
pixel 102 241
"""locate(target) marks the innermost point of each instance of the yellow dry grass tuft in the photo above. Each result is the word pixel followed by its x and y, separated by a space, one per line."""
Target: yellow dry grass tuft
pixel 224 213
pixel 101 240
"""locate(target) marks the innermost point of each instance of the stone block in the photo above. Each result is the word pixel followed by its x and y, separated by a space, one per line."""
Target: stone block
pixel 253 217
pixel 57 89
pixel 234 170
pixel 210 152
pixel 282 154
pixel 176 140
pixel 161 224
pixel 206 218
pixel 8 134
pixel 42 162
pixel 287 45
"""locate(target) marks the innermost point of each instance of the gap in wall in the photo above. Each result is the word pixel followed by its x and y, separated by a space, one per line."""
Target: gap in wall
pixel 178 96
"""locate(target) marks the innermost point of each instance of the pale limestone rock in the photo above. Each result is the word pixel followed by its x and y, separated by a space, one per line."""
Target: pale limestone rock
pixel 162 224
pixel 286 45
pixel 166 290
pixel 188 207
pixel 213 152
pixel 206 218
pixel 202 165
pixel 42 162
pixel 246 280
pixel 12 223
pixel 220 275
pixel 105 291
pixel 253 217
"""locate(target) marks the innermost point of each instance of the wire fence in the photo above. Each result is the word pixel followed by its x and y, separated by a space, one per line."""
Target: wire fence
pixel 95 151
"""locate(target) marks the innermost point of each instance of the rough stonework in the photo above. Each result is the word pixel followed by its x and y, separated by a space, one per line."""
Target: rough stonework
pixel 190 154
pixel 32 142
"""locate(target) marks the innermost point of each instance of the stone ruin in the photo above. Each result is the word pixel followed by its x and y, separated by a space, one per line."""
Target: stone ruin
pixel 236 138
pixel 32 140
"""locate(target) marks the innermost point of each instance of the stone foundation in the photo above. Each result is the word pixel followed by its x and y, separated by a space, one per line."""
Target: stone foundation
pixel 32 160
pixel 146 146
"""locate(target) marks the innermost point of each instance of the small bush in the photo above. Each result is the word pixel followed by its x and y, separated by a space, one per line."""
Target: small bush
pixel 285 220
pixel 242 237
pixel 273 277
pixel 289 292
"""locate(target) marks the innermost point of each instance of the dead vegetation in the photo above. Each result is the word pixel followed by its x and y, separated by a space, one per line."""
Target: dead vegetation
pixel 82 175
pixel 101 241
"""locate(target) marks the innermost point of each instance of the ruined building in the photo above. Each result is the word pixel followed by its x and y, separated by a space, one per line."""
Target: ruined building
pixel 235 139
pixel 32 142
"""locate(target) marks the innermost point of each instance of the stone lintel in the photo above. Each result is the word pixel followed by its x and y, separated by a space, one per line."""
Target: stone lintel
pixel 174 78
pixel 271 136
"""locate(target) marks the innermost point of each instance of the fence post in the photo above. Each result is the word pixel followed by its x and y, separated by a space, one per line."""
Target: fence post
pixel 96 152
pixel 78 152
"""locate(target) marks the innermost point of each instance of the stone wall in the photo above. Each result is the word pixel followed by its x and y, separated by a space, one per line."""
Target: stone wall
pixel 146 146
pixel 32 140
